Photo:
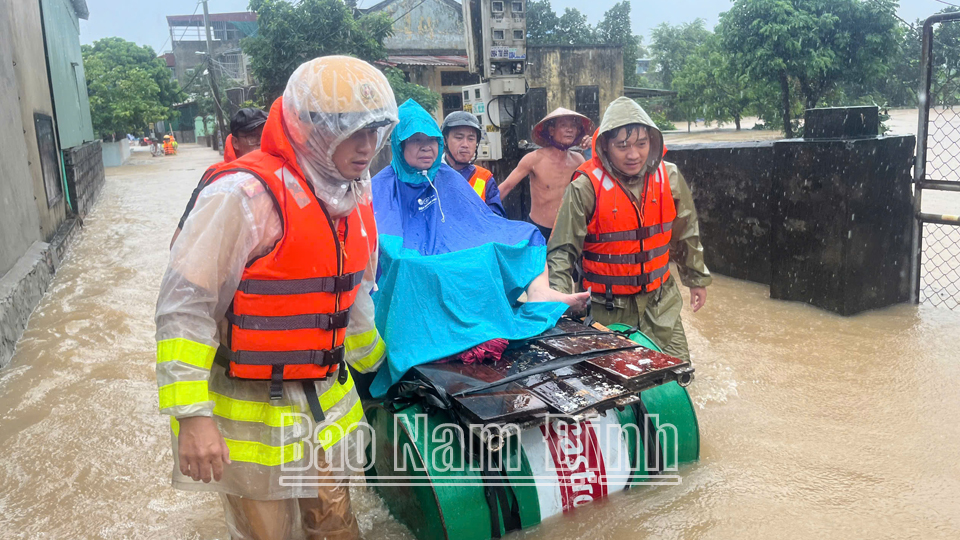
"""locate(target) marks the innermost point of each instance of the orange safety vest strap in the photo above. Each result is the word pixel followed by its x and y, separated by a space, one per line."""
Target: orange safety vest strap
pixel 322 321
pixel 317 357
pixel 332 284
pixel 630 258
pixel 641 280
pixel 636 234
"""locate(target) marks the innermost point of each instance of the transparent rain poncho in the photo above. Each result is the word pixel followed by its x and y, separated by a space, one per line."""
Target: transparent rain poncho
pixel 234 221
pixel 321 112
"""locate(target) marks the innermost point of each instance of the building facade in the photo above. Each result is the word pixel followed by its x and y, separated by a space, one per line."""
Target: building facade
pixel 50 166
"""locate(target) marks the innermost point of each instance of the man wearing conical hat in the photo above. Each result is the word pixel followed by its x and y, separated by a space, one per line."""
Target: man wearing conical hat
pixel 551 167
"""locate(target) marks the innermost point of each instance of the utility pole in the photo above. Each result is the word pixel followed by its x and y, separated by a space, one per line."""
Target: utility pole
pixel 212 79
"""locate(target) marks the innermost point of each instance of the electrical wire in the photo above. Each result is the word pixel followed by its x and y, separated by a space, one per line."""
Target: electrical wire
pixel 160 50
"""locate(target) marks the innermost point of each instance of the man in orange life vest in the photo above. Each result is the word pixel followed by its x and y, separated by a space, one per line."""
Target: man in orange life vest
pixel 246 128
pixel 461 138
pixel 627 213
pixel 265 301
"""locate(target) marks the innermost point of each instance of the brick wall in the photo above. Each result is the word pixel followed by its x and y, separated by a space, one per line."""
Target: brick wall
pixel 84 167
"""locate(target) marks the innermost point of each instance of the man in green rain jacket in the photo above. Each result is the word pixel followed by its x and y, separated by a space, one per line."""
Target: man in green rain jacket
pixel 628 147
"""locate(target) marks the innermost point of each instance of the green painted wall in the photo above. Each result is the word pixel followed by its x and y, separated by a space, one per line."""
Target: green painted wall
pixel 62 35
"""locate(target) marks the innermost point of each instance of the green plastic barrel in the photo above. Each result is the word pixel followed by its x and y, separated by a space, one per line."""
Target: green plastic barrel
pixel 672 406
pixel 439 506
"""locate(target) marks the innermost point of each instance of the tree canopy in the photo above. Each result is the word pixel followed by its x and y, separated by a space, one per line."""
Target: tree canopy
pixel 129 87
pixel 290 34
pixel 815 45
pixel 404 90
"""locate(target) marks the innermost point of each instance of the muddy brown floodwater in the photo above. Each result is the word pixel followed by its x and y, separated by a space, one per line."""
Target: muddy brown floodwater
pixel 813 425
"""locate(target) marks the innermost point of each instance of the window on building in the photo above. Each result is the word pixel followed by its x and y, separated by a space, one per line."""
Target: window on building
pixel 452 102
pixel 518 34
pixel 223 30
pixel 587 102
pixel 498 7
pixel 232 65
pixel 458 78
pixel 49 163
pixel 498 34
pixel 517 7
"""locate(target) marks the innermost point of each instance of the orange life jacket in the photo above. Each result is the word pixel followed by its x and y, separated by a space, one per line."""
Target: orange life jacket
pixel 168 148
pixel 289 315
pixel 479 181
pixel 627 247
pixel 229 152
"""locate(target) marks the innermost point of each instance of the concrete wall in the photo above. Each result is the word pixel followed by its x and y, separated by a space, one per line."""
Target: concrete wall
pixel 731 183
pixel 19 220
pixel 33 87
pixel 561 69
pixel 822 222
pixel 427 25
pixel 69 83
pixel 116 154
pixel 84 166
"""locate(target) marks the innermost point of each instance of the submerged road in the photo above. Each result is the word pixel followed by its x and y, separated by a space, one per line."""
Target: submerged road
pixel 813 425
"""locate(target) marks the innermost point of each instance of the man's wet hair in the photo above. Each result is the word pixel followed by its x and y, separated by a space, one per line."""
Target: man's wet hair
pixel 613 133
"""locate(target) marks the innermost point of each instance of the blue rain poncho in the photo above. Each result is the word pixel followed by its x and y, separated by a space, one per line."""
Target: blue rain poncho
pixel 451 270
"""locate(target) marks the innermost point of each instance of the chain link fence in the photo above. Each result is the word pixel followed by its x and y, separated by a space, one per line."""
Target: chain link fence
pixel 938 279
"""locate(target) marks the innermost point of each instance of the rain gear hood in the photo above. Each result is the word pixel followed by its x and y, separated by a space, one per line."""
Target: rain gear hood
pixel 414 119
pixel 326 101
pixel 624 111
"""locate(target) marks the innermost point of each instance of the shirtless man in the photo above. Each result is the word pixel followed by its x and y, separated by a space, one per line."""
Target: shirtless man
pixel 551 167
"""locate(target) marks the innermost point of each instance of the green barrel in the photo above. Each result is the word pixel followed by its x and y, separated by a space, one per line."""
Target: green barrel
pixel 672 405
pixel 409 443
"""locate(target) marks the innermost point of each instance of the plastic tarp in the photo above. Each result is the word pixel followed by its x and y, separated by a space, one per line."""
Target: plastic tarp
pixel 451 271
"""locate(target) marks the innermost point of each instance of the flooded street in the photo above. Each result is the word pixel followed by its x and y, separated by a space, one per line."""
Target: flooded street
pixel 812 425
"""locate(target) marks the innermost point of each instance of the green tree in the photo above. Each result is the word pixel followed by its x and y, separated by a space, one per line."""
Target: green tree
pixel 672 46
pixel 819 44
pixel 713 85
pixel 404 90
pixel 573 29
pixel 129 87
pixel 290 34
pixel 542 23
pixel 615 29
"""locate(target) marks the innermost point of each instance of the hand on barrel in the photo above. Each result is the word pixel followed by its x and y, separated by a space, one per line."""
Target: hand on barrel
pixel 202 449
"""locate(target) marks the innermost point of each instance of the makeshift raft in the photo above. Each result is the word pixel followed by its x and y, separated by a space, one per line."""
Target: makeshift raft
pixel 473 451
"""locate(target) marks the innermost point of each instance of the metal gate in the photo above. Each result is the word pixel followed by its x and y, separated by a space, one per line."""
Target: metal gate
pixel 937 167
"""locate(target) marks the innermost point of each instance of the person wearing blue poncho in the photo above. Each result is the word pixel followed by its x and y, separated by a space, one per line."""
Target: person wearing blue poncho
pixel 451 271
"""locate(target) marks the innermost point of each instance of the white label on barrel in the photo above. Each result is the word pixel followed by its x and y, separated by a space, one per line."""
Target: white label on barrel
pixel 576 463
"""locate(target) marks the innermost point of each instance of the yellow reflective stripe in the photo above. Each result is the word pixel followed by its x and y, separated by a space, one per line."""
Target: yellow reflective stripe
pixel 255 452
pixel 333 396
pixel 480 187
pixel 186 351
pixel 359 341
pixel 254 411
pixel 183 393
pixel 262 454
pixel 332 434
pixel 371 359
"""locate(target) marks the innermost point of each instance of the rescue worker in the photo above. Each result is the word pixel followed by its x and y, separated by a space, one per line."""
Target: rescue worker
pixel 168 149
pixel 266 298
pixel 550 167
pixel 246 128
pixel 461 139
pixel 626 212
